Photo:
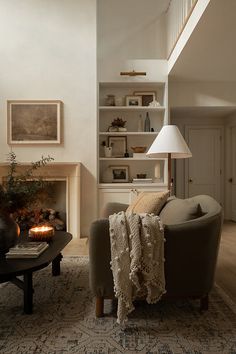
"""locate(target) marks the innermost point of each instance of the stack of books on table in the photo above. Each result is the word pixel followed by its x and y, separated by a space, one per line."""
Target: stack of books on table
pixel 142 180
pixel 27 250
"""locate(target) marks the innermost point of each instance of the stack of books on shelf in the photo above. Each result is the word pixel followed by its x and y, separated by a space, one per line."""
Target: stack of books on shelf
pixel 140 155
pixel 142 180
pixel 27 250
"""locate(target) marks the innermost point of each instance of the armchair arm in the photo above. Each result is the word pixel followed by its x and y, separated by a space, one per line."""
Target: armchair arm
pixel 111 208
pixel 191 251
pixel 101 278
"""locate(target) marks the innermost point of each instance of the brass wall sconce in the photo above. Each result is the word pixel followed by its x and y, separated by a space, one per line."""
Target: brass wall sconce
pixel 133 73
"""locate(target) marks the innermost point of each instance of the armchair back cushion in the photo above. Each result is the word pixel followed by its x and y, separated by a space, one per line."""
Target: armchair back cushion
pixel 179 210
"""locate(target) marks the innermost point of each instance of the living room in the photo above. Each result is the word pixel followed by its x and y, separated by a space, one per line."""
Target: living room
pixel 73 52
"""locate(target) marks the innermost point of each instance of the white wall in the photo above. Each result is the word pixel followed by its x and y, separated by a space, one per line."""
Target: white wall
pixel 130 29
pixel 191 94
pixel 48 51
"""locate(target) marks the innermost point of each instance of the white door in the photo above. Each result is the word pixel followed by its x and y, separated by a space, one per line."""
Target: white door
pixel 203 172
pixel 232 180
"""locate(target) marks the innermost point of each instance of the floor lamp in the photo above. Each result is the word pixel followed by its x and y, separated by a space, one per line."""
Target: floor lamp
pixel 169 143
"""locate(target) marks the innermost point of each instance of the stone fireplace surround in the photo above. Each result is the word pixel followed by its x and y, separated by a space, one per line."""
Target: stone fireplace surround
pixel 58 171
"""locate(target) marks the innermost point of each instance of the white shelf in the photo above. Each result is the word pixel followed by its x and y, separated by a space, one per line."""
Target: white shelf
pixel 131 185
pixel 131 84
pixel 132 108
pixel 129 159
pixel 128 133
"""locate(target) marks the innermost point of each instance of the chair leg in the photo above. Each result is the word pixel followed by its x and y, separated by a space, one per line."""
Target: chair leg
pixel 99 306
pixel 204 301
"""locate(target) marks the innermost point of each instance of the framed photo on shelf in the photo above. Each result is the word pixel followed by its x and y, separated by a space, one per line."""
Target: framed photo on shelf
pixel 133 100
pixel 120 174
pixel 118 145
pixel 34 122
pixel 147 96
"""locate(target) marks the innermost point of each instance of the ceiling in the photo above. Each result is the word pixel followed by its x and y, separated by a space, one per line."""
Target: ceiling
pixel 210 53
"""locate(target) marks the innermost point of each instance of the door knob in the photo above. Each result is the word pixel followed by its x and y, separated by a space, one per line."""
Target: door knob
pixel 190 180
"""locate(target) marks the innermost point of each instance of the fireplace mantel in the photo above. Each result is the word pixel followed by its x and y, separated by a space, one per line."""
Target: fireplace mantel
pixel 67 171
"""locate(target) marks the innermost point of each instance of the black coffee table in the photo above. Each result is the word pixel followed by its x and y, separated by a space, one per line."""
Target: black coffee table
pixel 10 269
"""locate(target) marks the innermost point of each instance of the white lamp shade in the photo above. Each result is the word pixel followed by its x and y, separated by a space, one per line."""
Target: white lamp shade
pixel 169 141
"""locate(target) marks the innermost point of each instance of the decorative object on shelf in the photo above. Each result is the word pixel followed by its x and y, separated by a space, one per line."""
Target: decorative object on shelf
pixel 133 101
pixel 120 174
pixel 141 175
pixel 169 143
pixel 154 104
pixel 139 149
pixel 41 233
pixel 34 122
pixel 157 171
pixel 147 96
pixel 110 100
pixel 140 123
pixel 126 154
pixel 147 123
pixel 139 155
pixel 107 149
pixel 117 125
pixel 142 180
pixel 133 73
pixel 119 101
pixel 118 144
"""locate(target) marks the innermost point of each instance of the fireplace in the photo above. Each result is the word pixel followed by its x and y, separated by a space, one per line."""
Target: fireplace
pixel 68 177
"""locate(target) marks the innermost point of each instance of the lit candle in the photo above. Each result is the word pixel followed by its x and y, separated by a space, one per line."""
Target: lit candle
pixel 41 233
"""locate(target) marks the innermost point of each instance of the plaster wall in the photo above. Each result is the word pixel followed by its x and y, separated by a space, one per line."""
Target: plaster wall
pixel 191 94
pixel 48 51
pixel 130 29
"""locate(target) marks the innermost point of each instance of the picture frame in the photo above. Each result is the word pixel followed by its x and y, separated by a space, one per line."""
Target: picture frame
pixel 147 96
pixel 118 144
pixel 133 101
pixel 34 121
pixel 120 174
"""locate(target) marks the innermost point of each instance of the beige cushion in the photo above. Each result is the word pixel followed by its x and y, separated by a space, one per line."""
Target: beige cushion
pixel 148 202
pixel 180 210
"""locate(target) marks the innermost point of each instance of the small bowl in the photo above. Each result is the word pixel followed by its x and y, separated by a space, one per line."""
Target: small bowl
pixel 141 175
pixel 139 149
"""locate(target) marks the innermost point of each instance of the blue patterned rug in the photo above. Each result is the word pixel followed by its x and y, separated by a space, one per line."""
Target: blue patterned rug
pixel 63 321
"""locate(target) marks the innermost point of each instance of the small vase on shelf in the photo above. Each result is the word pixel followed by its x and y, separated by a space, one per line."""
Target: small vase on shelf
pixel 147 123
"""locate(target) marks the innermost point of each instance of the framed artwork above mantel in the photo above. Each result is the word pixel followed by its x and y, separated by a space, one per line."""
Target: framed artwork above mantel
pixel 34 121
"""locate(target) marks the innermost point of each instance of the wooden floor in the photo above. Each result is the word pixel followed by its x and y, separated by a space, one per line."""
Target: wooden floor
pixel 226 267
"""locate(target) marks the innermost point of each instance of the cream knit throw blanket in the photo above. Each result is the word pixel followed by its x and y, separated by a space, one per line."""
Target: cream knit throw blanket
pixel 137 259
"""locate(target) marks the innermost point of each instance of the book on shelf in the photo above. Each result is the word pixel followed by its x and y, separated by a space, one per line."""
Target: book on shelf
pixel 140 155
pixel 142 180
pixel 27 250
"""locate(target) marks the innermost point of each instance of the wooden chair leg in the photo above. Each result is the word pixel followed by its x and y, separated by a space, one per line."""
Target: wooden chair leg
pixel 204 302
pixel 99 306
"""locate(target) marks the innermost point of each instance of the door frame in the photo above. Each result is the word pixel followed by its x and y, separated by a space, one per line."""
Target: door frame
pixel 186 161
pixel 228 170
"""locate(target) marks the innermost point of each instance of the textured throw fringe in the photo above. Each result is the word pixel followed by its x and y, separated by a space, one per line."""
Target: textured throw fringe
pixel 137 259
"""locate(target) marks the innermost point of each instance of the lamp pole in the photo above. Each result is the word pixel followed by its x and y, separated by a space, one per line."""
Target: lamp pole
pixel 169 172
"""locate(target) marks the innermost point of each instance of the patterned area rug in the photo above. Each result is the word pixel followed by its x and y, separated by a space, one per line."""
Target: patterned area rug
pixel 63 321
